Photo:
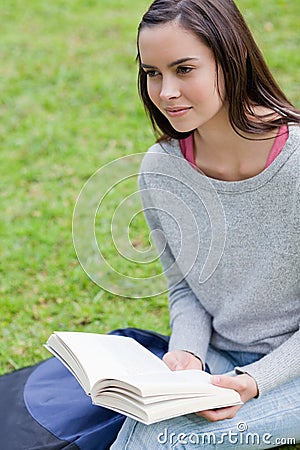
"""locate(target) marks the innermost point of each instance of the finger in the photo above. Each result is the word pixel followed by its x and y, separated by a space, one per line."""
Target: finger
pixel 213 415
pixel 244 384
pixel 228 382
pixel 171 361
pixel 194 363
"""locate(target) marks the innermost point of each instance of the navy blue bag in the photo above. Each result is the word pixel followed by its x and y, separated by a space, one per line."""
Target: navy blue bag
pixel 44 408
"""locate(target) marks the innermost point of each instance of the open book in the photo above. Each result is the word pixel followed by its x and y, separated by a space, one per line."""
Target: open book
pixel 119 373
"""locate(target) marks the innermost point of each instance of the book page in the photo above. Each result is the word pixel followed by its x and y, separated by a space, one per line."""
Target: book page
pixel 162 410
pixel 117 392
pixel 172 384
pixel 168 382
pixel 109 356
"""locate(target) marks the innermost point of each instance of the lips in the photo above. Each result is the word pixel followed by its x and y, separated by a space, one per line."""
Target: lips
pixel 177 111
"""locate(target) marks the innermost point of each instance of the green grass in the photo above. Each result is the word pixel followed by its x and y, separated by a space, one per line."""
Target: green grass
pixel 68 105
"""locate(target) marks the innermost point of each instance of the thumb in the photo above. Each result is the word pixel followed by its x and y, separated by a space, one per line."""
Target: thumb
pixel 224 381
pixel 244 384
pixel 172 361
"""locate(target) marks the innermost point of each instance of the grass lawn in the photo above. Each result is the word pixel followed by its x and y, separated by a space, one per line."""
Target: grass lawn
pixel 68 107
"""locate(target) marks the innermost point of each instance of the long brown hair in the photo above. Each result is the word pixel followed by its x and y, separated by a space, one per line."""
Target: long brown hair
pixel 248 80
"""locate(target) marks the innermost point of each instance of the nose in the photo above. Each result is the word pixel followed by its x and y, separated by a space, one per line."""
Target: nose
pixel 169 88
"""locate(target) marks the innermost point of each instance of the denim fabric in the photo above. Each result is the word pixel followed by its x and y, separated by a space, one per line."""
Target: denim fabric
pixel 262 423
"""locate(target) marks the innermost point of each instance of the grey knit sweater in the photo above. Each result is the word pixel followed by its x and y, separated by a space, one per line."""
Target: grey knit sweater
pixel 230 251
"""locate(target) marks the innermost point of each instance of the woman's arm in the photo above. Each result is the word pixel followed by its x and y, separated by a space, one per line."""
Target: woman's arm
pixel 278 367
pixel 190 322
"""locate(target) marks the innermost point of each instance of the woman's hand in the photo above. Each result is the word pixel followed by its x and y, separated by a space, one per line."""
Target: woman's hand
pixel 181 360
pixel 244 384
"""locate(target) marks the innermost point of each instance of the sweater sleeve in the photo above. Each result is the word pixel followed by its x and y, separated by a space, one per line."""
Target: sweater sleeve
pixel 278 367
pixel 190 322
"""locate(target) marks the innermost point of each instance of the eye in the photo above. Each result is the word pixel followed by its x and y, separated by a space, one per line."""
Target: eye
pixel 152 73
pixel 184 70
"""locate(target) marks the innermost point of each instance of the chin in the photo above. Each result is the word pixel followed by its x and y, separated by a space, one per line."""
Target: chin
pixel 183 129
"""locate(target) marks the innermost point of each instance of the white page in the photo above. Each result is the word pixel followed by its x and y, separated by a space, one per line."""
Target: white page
pixel 117 392
pixel 169 382
pixel 111 356
pixel 155 412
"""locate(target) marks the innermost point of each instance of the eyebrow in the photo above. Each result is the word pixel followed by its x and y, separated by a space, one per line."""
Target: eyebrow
pixel 172 64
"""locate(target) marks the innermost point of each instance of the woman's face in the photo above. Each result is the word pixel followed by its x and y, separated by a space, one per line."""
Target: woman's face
pixel 181 76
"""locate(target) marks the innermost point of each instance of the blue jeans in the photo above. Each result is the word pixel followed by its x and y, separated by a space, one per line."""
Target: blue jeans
pixel 265 422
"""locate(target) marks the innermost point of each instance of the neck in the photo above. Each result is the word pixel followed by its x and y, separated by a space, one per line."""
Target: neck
pixel 223 154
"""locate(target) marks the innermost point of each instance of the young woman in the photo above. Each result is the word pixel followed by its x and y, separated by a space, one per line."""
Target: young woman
pixel 233 137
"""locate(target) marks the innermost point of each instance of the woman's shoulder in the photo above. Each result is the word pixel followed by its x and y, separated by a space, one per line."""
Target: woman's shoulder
pixel 160 154
pixel 293 142
pixel 289 158
pixel 294 134
pixel 170 146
